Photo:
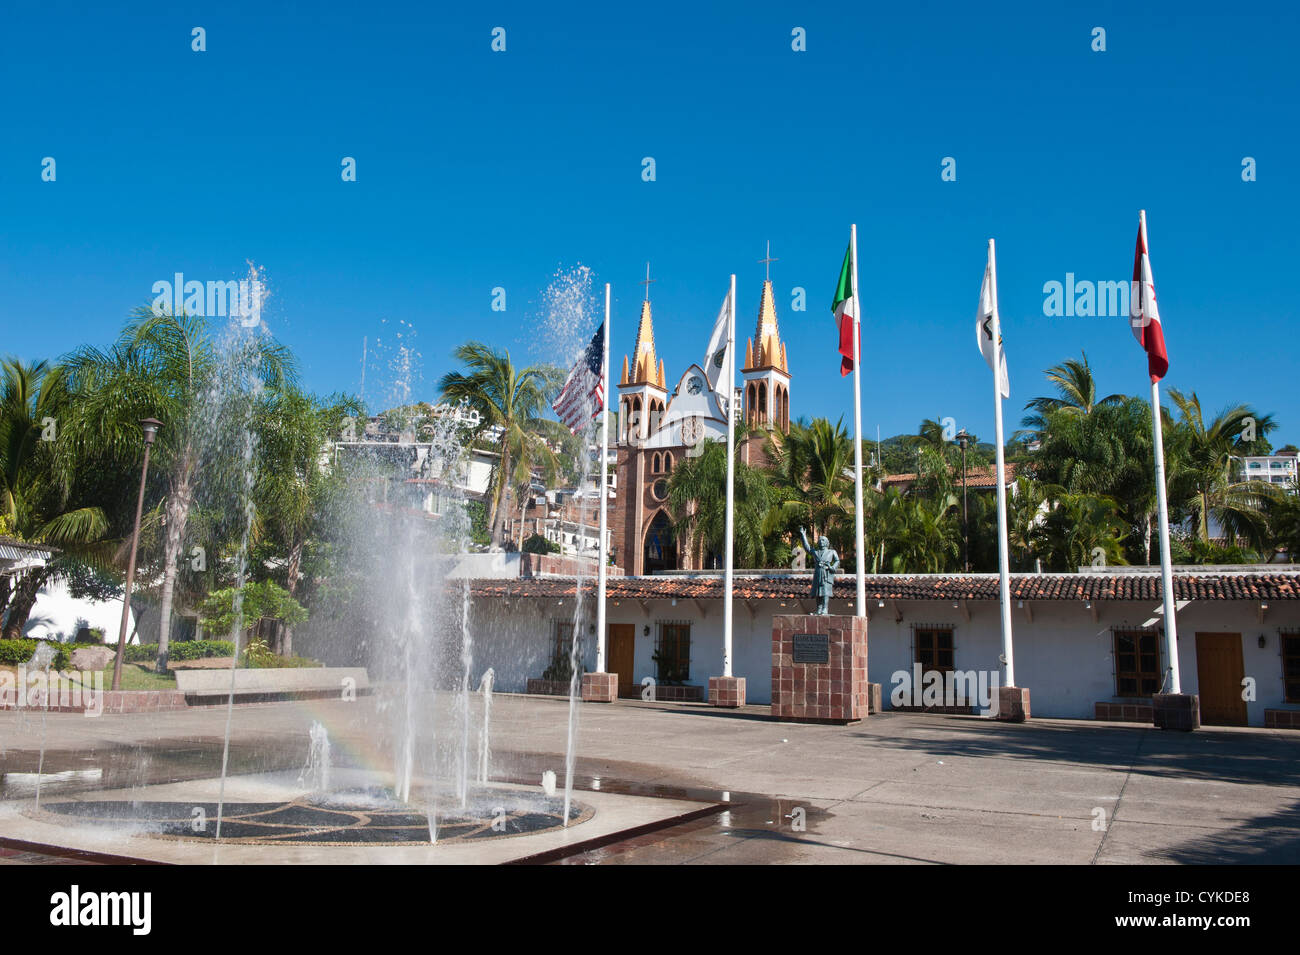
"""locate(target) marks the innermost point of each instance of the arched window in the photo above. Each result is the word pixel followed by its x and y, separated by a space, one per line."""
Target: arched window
pixel 668 463
pixel 655 466
pixel 762 403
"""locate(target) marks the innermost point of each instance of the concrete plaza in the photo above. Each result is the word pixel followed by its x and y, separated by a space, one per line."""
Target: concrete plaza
pixel 895 788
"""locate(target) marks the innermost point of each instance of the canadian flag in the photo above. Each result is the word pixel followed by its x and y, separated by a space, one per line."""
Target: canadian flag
pixel 1144 314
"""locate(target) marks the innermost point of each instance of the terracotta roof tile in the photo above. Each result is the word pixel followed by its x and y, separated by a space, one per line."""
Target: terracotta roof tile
pixel 1132 586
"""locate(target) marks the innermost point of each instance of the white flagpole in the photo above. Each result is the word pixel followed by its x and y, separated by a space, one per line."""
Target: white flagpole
pixel 1004 572
pixel 861 559
pixel 603 549
pixel 731 477
pixel 1157 430
pixel 1166 564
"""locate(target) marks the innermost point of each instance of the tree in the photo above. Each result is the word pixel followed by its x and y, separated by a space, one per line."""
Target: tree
pixel 1024 517
pixel 166 367
pixel 292 487
pixel 35 506
pixel 812 470
pixel 537 544
pixel 697 500
pixel 1284 522
pixel 1080 530
pixel 1106 452
pixel 1076 394
pixel 926 540
pixel 256 600
pixel 1202 481
pixel 512 400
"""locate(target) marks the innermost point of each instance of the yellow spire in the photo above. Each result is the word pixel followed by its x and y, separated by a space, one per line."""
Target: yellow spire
pixel 645 367
pixel 768 349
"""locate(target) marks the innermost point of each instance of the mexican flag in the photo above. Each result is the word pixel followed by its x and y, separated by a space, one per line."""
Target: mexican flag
pixel 845 308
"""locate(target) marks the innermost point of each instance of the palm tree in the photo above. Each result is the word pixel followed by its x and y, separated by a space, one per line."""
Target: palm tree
pixel 35 506
pixel 1106 452
pixel 512 400
pixel 931 438
pixel 882 523
pixel 923 537
pixel 697 500
pixel 1201 476
pixel 1081 529
pixel 27 393
pixel 812 468
pixel 166 367
pixel 292 486
pixel 1076 394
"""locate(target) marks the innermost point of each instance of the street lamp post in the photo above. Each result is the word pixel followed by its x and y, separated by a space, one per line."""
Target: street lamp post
pixel 150 426
pixel 963 439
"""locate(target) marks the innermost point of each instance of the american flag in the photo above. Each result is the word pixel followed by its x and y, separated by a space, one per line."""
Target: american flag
pixel 583 395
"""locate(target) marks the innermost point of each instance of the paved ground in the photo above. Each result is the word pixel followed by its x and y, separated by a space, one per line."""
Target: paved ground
pixel 899 788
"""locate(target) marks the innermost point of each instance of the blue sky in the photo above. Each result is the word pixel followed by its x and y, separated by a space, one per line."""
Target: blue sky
pixel 478 169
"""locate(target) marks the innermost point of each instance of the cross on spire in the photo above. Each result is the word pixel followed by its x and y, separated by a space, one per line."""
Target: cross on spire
pixel 769 260
pixel 648 281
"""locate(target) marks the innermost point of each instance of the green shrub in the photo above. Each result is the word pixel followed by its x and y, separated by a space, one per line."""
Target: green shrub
pixel 537 544
pixel 270 661
pixel 181 650
pixel 15 652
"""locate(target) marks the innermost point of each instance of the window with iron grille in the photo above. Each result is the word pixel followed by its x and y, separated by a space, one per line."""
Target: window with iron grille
pixel 672 654
pixel 562 647
pixel 1291 665
pixel 1137 662
pixel 933 647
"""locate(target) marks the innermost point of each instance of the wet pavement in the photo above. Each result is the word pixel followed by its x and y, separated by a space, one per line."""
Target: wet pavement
pixel 896 788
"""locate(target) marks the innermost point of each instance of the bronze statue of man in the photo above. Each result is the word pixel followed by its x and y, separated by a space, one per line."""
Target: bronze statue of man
pixel 825 564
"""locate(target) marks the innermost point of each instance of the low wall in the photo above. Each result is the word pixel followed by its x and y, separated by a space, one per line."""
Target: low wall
pixel 110 701
pixel 560 565
pixel 273 682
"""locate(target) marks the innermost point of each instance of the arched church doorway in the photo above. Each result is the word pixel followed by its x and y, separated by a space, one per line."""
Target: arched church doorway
pixel 660 547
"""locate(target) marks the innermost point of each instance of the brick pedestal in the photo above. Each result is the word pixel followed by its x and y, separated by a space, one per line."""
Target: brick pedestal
pixel 1013 704
pixel 873 698
pixel 835 691
pixel 599 687
pixel 727 691
pixel 1176 711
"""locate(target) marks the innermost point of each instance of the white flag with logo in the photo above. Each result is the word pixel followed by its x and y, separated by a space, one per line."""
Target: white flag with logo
pixel 988 325
pixel 716 358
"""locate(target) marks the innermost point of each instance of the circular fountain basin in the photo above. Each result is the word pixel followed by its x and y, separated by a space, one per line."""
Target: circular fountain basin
pixel 368 815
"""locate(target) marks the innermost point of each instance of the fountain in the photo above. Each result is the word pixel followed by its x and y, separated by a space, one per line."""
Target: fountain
pixel 484 733
pixel 393 768
pixel 568 322
pixel 315 776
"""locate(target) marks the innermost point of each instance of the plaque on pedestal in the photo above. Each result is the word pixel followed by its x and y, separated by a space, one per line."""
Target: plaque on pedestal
pixel 819 668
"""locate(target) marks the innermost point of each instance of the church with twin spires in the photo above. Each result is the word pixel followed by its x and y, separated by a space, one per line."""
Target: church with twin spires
pixel 659 429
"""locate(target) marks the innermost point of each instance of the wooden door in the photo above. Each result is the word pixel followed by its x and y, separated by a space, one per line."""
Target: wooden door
pixel 1219 672
pixel 622 645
